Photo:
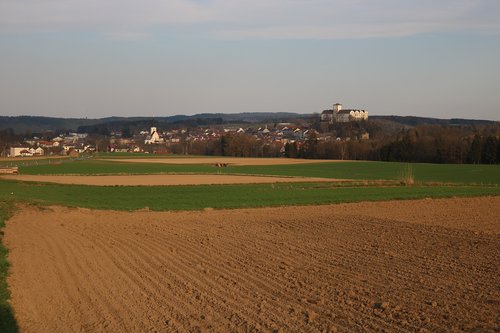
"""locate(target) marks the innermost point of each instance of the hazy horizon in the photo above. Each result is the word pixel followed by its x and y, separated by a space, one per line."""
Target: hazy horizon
pixel 99 59
pixel 216 113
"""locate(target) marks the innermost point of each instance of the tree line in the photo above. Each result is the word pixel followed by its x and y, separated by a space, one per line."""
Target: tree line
pixel 422 144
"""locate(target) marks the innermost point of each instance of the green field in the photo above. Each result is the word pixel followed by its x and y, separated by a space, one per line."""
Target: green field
pixel 438 173
pixel 220 196
pixel 94 167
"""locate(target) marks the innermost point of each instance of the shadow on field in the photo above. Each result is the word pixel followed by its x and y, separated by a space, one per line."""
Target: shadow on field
pixel 8 323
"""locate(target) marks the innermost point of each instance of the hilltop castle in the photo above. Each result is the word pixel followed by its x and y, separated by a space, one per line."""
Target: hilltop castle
pixel 337 114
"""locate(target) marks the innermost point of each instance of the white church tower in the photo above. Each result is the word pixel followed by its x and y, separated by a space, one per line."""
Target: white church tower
pixel 337 107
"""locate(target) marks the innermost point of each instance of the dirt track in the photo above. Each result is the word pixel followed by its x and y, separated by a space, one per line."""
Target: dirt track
pixel 227 160
pixel 150 180
pixel 392 266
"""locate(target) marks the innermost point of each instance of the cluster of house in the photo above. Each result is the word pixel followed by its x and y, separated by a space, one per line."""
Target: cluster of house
pixel 71 144
pixel 280 133
pixel 26 151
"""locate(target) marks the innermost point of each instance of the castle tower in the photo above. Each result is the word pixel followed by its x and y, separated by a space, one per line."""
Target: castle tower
pixel 337 107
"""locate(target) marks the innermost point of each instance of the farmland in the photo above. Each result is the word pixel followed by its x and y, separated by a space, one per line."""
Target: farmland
pixel 399 266
pixel 442 173
pixel 158 228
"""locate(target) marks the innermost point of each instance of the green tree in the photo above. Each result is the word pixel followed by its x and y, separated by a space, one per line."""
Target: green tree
pixel 223 145
pixel 291 149
pixel 475 150
pixel 309 149
pixel 126 133
pixel 489 152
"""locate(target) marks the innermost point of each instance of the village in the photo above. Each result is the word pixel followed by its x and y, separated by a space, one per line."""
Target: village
pixel 152 140
pixel 181 140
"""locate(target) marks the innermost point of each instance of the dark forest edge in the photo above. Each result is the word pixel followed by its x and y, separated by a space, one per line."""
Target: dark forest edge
pixel 415 145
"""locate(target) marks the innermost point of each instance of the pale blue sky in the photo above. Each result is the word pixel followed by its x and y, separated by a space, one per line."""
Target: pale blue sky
pixel 152 57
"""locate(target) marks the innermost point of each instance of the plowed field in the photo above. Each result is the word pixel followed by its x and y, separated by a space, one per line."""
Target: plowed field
pixel 403 266
pixel 152 180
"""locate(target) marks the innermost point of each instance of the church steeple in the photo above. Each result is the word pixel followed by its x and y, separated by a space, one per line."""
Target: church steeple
pixel 337 107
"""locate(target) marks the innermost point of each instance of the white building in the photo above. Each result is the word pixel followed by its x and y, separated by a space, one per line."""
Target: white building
pixel 18 151
pixel 337 114
pixel 39 151
pixel 153 137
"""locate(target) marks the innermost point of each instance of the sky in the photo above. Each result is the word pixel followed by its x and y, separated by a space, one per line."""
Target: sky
pixel 99 58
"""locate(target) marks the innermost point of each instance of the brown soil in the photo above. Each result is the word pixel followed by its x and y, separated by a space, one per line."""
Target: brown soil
pixel 214 160
pixel 135 180
pixel 403 266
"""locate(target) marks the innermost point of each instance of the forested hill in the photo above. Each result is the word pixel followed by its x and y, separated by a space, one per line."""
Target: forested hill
pixel 412 121
pixel 22 124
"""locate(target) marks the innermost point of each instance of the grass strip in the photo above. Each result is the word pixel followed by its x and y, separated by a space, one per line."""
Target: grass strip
pixel 7 321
